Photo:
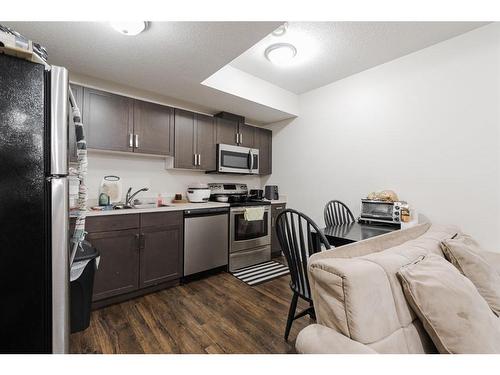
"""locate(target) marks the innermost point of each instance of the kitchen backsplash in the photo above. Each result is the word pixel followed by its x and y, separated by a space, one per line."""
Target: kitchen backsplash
pixel 143 171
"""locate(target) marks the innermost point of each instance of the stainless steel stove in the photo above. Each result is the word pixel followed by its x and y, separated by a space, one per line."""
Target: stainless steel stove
pixel 249 240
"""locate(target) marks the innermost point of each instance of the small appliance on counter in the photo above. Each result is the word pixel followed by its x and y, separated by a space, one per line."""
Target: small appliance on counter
pixel 383 207
pixel 198 193
pixel 257 193
pixel 272 192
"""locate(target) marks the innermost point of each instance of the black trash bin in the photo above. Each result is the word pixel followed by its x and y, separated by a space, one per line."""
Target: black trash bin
pixel 81 289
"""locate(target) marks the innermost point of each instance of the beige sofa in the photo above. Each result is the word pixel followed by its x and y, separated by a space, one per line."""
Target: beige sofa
pixel 359 303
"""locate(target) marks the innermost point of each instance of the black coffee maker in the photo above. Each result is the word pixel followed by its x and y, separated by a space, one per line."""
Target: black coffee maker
pixel 271 192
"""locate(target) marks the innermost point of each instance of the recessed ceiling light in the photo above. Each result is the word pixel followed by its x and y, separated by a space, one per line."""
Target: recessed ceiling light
pixel 280 54
pixel 129 28
pixel 281 30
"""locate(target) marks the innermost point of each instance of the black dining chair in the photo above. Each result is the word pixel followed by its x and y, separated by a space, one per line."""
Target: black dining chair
pixel 295 232
pixel 337 213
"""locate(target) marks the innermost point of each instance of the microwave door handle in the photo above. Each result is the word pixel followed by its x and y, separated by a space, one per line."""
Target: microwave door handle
pixel 250 160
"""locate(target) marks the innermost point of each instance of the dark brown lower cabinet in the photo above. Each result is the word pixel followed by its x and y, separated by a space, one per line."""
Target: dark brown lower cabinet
pixel 138 253
pixel 276 209
pixel 118 271
pixel 161 249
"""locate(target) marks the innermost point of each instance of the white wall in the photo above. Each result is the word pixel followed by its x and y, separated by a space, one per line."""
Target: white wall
pixel 138 172
pixel 425 125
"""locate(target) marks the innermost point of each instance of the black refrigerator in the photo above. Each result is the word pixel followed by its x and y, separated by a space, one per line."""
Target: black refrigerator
pixel 34 262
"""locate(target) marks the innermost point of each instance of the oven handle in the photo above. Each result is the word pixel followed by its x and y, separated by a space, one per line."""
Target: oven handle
pixel 240 210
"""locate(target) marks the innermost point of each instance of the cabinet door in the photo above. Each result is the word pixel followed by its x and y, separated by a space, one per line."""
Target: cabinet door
pixel 108 119
pixel 206 140
pixel 78 94
pixel 153 128
pixel 276 209
pixel 264 144
pixel 118 271
pixel 184 150
pixel 226 131
pixel 247 135
pixel 161 253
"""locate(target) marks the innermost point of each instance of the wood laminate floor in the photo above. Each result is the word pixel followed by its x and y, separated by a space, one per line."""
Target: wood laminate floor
pixel 217 314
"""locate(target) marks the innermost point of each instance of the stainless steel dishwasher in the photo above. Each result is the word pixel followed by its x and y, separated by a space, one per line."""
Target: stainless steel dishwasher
pixel 205 239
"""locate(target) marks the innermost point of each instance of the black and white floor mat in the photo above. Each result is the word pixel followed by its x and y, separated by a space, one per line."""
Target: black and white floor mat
pixel 262 272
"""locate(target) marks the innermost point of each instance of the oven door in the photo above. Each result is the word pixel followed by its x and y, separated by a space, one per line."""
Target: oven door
pixel 236 159
pixel 377 210
pixel 248 234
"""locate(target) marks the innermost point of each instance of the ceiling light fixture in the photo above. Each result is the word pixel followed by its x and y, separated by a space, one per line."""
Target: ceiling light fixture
pixel 281 30
pixel 129 28
pixel 280 54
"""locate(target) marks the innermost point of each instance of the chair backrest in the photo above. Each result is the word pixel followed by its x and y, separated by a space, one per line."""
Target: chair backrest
pixel 337 213
pixel 299 237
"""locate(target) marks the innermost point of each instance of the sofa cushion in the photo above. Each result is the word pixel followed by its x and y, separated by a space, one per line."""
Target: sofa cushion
pixel 453 313
pixel 362 298
pixel 465 254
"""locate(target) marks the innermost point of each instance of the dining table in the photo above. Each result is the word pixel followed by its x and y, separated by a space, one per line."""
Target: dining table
pixel 343 234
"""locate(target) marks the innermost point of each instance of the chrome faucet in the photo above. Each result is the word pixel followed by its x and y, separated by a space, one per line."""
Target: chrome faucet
pixel 129 198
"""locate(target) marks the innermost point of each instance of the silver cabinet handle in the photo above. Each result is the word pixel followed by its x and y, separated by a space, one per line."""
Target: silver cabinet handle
pixel 130 140
pixel 237 136
pixel 199 159
pixel 241 138
pixel 136 139
pixel 195 161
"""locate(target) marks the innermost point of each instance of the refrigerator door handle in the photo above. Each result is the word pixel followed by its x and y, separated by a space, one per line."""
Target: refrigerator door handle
pixel 60 264
pixel 58 121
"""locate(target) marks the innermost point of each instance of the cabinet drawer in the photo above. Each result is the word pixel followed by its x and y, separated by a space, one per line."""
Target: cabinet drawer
pixel 156 219
pixel 111 223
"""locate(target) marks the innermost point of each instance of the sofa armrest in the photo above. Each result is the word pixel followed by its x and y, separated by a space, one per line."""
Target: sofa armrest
pixel 319 339
pixel 493 259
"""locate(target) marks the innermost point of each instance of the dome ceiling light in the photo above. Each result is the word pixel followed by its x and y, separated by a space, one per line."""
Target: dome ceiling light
pixel 280 31
pixel 130 28
pixel 280 54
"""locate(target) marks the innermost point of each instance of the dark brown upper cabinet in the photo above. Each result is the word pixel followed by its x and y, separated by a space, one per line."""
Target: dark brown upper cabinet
pixel 263 141
pixel 195 141
pixel 117 123
pixel 153 129
pixel 108 120
pixel 184 149
pixel 227 131
pixel 246 135
pixel 206 142
pixel 232 132
pixel 78 94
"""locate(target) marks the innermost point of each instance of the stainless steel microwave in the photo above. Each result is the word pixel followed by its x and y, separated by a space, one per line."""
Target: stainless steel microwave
pixel 381 211
pixel 237 159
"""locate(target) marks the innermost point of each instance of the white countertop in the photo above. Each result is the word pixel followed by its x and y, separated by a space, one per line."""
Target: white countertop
pixel 171 207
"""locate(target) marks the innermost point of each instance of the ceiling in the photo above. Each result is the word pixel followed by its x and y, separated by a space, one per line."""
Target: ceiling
pixel 174 58
pixel 329 51
pixel 170 58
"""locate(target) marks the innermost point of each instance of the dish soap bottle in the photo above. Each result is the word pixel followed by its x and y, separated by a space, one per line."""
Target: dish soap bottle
pixel 159 201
